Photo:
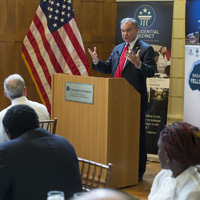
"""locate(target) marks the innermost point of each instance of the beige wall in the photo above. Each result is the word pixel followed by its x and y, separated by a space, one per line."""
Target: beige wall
pixel 176 94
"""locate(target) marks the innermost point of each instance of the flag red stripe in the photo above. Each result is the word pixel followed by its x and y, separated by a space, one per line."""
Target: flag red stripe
pixel 77 46
pixel 65 53
pixel 39 56
pixel 36 77
pixel 47 52
pixel 47 46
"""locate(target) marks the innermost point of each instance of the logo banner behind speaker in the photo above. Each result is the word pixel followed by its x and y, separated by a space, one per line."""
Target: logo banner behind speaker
pixel 155 28
pixel 154 20
pixel 192 64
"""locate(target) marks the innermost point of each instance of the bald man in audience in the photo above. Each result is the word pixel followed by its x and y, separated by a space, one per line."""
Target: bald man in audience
pixel 15 91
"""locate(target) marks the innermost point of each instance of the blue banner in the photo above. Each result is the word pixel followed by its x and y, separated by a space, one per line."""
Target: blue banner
pixel 192 21
pixel 192 64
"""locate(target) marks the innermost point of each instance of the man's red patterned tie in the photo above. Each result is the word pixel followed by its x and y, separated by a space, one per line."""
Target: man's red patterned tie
pixel 122 60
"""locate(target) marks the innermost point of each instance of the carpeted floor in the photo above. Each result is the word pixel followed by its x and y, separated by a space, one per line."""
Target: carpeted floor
pixel 141 191
pixel 130 197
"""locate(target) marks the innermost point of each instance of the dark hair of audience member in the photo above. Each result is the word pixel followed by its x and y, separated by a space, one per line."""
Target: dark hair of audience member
pixel 181 141
pixel 160 50
pixel 156 53
pixel 167 70
pixel 20 119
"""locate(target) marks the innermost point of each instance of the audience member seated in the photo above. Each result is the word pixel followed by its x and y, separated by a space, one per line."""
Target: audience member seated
pixel 35 161
pixel 179 153
pixel 102 194
pixel 15 90
pixel 168 53
pixel 167 71
pixel 162 60
pixel 156 57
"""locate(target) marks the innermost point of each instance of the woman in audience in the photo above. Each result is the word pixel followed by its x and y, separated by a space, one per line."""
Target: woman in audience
pixel 179 153
pixel 162 60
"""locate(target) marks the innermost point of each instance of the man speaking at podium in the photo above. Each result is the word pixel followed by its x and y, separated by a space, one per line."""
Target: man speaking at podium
pixel 133 60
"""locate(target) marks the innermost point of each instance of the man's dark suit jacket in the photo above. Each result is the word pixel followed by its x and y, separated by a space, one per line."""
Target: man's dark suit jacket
pixel 136 77
pixel 35 163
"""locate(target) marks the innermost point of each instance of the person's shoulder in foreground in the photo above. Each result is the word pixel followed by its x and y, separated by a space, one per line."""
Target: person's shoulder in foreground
pixel 15 90
pixel 102 194
pixel 35 161
pixel 179 153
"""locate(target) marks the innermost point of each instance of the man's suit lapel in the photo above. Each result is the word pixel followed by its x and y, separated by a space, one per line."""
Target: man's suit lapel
pixel 137 46
pixel 135 49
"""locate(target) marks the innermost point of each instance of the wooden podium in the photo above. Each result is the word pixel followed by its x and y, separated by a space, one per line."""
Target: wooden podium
pixel 105 131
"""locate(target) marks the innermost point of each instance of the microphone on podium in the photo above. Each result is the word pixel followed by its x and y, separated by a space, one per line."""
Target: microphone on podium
pixel 118 55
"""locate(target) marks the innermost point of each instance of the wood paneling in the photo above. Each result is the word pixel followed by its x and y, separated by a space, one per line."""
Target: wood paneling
pixel 97 23
pixel 15 19
pixel 95 19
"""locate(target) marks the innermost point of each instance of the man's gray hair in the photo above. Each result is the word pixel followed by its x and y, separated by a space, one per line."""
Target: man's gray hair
pixel 14 86
pixel 132 20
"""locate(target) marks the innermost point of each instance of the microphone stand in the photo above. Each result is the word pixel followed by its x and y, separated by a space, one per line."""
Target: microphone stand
pixel 118 62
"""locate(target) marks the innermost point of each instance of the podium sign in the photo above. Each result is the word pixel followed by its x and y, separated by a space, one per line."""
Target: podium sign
pixel 79 92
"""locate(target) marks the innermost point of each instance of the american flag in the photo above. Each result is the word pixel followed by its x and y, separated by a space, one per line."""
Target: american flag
pixel 53 44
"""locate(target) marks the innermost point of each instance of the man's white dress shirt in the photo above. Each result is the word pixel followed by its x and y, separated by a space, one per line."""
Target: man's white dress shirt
pixel 39 108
